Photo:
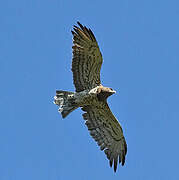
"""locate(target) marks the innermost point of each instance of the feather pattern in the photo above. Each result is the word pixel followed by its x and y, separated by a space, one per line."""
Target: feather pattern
pixel 107 132
pixel 92 96
pixel 87 59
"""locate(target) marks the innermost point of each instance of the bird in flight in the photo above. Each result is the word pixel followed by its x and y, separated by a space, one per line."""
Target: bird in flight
pixel 91 96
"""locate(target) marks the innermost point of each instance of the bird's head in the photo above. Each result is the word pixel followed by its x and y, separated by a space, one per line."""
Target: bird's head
pixel 110 90
pixel 106 91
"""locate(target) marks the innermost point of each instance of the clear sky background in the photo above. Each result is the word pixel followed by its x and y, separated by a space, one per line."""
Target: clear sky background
pixel 139 41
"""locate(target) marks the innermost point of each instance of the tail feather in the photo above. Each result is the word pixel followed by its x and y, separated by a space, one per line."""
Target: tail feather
pixel 65 100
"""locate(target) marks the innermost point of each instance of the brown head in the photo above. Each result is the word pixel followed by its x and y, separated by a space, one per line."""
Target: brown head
pixel 104 93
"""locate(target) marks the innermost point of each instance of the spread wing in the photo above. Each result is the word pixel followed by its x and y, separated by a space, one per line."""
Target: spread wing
pixel 87 59
pixel 107 132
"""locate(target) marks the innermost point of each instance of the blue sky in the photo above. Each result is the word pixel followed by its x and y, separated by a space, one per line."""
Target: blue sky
pixel 139 41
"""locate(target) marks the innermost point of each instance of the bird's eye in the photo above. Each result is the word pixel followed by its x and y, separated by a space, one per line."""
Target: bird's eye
pixel 111 89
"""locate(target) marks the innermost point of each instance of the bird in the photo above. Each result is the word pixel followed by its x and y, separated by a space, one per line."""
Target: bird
pixel 91 96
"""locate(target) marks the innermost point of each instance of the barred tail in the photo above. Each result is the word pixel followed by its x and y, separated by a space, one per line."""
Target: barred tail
pixel 65 100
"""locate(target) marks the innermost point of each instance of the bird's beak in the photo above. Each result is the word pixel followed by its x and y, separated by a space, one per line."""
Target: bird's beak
pixel 113 92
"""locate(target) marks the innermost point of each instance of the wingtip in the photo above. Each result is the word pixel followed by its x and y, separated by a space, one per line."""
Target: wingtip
pixel 123 162
pixel 75 27
pixel 110 163
pixel 79 23
pixel 81 26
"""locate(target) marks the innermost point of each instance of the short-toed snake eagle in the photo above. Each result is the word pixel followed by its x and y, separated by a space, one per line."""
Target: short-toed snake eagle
pixel 92 96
